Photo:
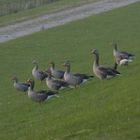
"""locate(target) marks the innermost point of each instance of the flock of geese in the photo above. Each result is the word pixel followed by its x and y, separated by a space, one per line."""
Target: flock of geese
pixel 59 79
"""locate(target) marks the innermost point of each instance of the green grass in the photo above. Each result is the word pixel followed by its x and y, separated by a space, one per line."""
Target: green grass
pixel 98 110
pixel 46 9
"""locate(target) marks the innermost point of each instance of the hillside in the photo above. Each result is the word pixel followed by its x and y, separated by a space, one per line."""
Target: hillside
pixel 97 110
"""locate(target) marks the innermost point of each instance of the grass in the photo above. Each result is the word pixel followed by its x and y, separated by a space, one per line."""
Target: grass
pixel 98 110
pixel 46 9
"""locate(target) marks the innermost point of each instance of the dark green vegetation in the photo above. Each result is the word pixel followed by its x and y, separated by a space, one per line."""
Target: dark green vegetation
pixel 98 110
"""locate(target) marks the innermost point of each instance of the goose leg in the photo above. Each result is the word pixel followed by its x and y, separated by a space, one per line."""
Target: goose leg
pixel 76 86
pixel 115 66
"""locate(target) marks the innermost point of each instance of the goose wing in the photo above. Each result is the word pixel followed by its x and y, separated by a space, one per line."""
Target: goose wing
pixel 58 74
pixel 57 83
pixel 25 84
pixel 43 74
pixel 125 55
pixel 83 76
pixel 22 86
pixel 51 93
pixel 41 95
pixel 77 78
pixel 108 71
pixel 61 73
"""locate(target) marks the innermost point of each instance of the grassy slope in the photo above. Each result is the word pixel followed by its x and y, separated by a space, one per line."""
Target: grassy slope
pixel 52 7
pixel 98 110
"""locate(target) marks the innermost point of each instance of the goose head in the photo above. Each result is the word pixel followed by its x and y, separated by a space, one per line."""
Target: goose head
pixel 52 64
pixel 34 62
pixel 94 51
pixel 67 66
pixel 115 46
pixel 96 55
pixel 31 83
pixel 15 79
pixel 49 74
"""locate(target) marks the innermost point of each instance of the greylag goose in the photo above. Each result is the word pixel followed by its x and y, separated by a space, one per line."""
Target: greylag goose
pixel 19 85
pixel 102 72
pixel 38 74
pixel 121 58
pixel 74 79
pixel 58 74
pixel 39 96
pixel 84 76
pixel 54 84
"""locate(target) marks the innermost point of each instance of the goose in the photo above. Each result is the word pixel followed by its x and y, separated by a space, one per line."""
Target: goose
pixel 74 79
pixel 84 76
pixel 121 58
pixel 58 74
pixel 38 74
pixel 54 84
pixel 23 87
pixel 39 96
pixel 102 72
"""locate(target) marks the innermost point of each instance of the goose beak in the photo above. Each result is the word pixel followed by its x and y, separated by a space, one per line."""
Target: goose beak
pixel 13 78
pixel 50 62
pixel 65 64
pixel 29 80
pixel 94 51
pixel 34 62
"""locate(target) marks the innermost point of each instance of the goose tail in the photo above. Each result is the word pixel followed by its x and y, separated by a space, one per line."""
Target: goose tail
pixel 51 95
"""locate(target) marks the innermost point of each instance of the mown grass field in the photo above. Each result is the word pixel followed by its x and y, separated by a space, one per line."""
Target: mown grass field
pixel 98 110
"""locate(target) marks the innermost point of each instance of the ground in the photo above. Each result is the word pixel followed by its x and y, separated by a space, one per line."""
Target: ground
pixel 98 110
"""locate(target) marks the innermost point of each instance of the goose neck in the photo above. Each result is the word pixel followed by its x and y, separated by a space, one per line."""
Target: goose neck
pixel 16 80
pixel 32 83
pixel 115 50
pixel 96 62
pixel 68 69
pixel 115 47
pixel 52 65
pixel 36 66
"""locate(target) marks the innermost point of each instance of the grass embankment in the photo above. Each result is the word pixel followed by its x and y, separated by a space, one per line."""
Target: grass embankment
pixel 99 110
pixel 46 9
